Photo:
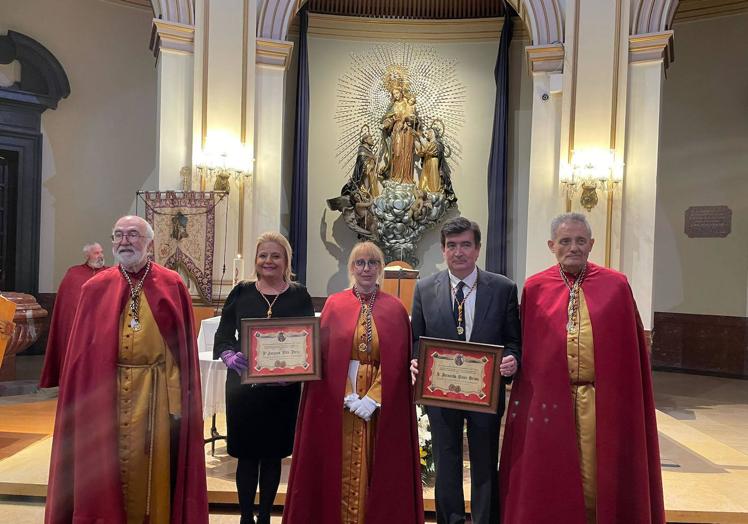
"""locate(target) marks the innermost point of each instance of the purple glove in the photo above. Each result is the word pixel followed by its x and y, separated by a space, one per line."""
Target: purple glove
pixel 233 360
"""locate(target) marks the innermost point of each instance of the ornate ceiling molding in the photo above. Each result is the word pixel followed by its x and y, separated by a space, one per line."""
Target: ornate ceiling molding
pixel 359 28
pixel 690 10
pixel 178 11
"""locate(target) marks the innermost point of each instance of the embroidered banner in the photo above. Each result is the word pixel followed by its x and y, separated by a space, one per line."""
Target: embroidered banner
pixel 184 227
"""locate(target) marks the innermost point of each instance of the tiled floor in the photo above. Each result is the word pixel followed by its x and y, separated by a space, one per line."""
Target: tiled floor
pixel 702 421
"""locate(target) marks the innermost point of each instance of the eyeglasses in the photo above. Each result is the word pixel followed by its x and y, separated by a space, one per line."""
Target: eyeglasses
pixel 132 236
pixel 361 263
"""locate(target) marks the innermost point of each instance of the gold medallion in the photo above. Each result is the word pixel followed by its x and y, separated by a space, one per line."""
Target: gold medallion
pixel 362 346
pixel 460 330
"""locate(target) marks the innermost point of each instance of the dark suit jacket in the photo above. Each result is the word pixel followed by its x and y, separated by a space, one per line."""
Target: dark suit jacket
pixel 496 319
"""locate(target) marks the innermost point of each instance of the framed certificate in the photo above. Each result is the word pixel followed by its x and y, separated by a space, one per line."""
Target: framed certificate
pixel 459 375
pixel 281 349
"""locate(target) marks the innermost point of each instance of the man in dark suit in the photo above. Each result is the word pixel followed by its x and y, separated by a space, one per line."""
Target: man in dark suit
pixel 466 303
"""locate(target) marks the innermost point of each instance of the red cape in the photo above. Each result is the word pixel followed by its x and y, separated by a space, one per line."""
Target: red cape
pixel 540 477
pixel 63 314
pixel 314 486
pixel 84 478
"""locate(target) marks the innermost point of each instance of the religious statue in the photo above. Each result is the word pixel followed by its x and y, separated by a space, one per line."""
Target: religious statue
pixel 435 174
pixel 364 174
pixel 400 184
pixel 399 125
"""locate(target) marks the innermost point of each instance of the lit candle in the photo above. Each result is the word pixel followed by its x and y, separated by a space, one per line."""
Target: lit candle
pixel 238 269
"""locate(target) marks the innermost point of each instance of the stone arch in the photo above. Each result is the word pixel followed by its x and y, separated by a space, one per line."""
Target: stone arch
pixel 652 16
pixel 274 18
pixel 180 11
pixel 543 18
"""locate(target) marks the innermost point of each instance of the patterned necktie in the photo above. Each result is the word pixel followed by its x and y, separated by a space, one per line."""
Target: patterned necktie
pixel 459 298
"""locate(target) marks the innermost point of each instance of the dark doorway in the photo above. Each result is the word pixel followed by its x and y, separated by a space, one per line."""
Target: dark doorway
pixel 8 201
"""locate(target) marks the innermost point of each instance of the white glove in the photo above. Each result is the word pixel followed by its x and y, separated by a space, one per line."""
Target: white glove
pixel 365 408
pixel 349 400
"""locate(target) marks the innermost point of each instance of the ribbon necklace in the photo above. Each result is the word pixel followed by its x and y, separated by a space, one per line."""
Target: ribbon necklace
pixel 135 296
pixel 573 307
pixel 460 304
pixel 367 311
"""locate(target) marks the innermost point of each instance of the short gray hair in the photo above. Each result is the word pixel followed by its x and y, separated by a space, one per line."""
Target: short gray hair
pixel 569 217
pixel 89 247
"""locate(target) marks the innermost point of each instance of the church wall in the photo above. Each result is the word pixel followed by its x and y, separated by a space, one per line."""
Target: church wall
pixel 703 161
pixel 100 143
pixel 329 240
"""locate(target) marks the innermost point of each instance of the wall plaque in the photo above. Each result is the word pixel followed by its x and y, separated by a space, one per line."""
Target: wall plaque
pixel 708 221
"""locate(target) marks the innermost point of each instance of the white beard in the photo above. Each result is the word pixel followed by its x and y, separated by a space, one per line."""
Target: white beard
pixel 129 259
pixel 96 264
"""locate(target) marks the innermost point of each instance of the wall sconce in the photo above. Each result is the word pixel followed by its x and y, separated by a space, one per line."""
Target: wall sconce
pixel 223 159
pixel 588 171
pixel 220 170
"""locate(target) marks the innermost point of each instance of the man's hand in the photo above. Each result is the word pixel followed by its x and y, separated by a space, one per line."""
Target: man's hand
pixel 508 366
pixel 413 371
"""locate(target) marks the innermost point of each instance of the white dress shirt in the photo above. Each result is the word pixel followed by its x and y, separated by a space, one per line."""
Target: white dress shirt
pixel 468 307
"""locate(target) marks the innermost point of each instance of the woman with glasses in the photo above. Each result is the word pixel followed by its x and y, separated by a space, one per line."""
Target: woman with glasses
pixel 260 418
pixel 356 457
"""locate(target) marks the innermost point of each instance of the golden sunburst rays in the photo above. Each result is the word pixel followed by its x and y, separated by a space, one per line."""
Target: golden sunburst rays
pixel 363 95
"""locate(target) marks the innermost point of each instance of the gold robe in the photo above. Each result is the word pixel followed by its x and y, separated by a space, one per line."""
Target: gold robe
pixel 581 360
pixel 148 392
pixel 430 179
pixel 358 435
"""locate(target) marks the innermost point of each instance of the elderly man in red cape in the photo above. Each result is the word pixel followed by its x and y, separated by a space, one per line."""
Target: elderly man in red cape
pixel 64 312
pixel 128 442
pixel 580 442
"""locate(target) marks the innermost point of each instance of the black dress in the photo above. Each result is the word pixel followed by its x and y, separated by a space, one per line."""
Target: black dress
pixel 260 419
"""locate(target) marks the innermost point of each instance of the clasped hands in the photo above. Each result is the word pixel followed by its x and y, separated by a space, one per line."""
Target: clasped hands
pixel 507 368
pixel 363 407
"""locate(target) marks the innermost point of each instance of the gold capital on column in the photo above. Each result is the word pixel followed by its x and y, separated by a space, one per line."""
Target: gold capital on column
pixel 545 58
pixel 652 47
pixel 274 53
pixel 172 37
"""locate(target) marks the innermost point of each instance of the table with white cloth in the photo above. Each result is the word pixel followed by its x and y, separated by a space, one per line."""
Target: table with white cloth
pixel 212 378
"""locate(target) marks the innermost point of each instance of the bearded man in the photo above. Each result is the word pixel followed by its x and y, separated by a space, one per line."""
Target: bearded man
pixel 128 439
pixel 63 313
pixel 580 442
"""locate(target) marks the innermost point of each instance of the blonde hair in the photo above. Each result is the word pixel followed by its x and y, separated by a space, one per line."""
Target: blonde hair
pixel 273 236
pixel 369 250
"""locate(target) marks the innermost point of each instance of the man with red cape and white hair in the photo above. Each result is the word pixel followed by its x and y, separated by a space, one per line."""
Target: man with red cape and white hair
pixel 128 439
pixel 580 442
pixel 63 313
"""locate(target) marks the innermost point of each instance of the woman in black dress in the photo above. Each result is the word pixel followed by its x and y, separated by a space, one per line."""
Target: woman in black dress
pixel 260 419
